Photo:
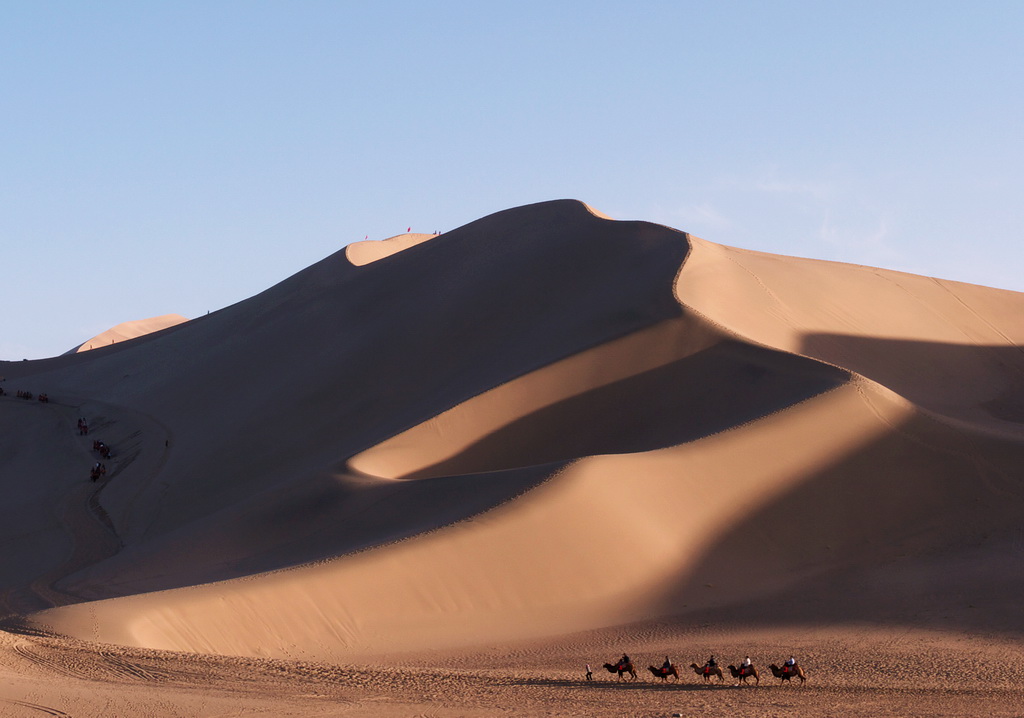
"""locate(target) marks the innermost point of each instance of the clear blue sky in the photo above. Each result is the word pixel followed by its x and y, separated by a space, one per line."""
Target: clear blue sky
pixel 177 156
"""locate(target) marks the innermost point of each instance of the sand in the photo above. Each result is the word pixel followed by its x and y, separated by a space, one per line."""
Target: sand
pixel 130 330
pixel 439 474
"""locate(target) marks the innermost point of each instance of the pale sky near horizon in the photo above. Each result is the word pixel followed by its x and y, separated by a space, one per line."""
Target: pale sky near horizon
pixel 178 157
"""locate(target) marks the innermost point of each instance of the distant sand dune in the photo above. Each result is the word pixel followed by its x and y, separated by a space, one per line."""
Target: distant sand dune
pixel 367 252
pixel 130 330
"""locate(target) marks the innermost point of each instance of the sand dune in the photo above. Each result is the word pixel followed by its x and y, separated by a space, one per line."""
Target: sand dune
pixel 362 253
pixel 542 422
pixel 947 346
pixel 130 330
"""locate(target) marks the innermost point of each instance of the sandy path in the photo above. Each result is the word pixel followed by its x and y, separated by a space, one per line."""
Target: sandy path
pixel 78 509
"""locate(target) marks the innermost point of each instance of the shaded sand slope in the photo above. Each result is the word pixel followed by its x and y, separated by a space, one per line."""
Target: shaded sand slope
pixel 37 442
pixel 54 522
pixel 543 422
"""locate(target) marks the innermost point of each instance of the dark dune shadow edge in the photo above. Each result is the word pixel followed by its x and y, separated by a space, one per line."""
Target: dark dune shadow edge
pixel 720 387
pixel 974 382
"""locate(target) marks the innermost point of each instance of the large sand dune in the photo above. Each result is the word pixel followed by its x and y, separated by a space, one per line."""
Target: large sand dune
pixel 540 423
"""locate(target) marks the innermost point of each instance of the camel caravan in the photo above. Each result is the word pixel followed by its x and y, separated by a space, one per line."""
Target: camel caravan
pixel 709 670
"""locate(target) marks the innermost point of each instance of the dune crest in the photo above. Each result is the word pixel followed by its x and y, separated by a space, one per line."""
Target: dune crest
pixel 597 213
pixel 374 250
pixel 130 330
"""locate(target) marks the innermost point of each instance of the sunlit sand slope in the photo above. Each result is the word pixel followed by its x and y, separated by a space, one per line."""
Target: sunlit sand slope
pixel 947 346
pixel 361 253
pixel 130 330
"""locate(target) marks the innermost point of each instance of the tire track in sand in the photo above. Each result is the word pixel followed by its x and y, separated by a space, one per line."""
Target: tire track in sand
pixel 36 707
pixel 104 665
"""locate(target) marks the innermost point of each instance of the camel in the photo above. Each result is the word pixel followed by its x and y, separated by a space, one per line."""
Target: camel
pixel 787 673
pixel 744 672
pixel 664 673
pixel 621 668
pixel 707 672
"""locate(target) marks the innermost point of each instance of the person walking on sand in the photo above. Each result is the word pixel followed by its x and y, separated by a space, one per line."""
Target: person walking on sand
pixel 590 673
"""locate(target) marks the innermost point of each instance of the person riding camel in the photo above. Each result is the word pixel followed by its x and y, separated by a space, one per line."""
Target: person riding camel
pixel 789 666
pixel 710 665
pixel 745 666
pixel 666 666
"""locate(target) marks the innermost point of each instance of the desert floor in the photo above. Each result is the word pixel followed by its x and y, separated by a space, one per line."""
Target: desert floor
pixel 852 671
